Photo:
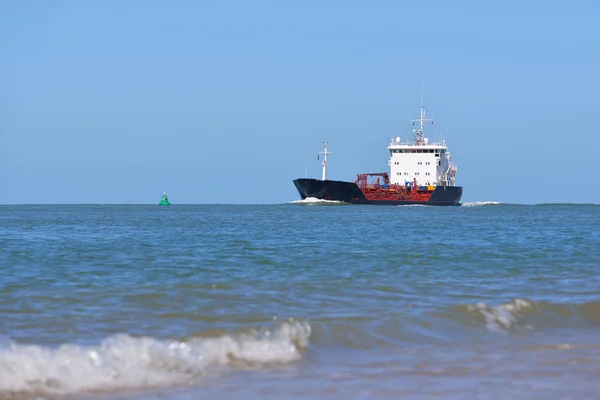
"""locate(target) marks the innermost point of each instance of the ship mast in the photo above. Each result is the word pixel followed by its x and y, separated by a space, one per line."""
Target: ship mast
pixel 324 152
pixel 419 132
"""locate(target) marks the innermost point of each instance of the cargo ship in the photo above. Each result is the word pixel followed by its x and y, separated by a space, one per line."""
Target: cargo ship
pixel 420 172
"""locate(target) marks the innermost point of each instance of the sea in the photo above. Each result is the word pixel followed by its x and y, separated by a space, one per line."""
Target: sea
pixel 302 300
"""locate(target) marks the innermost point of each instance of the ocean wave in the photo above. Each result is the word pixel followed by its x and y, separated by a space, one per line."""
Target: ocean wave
pixel 521 315
pixel 123 362
pixel 504 316
pixel 454 323
pixel 481 203
pixel 315 201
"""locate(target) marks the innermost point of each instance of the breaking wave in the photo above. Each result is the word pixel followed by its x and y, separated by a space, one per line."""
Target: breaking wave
pixel 504 316
pixel 521 315
pixel 456 323
pixel 315 201
pixel 481 203
pixel 123 362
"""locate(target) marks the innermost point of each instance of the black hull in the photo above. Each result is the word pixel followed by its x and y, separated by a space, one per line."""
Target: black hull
pixel 349 192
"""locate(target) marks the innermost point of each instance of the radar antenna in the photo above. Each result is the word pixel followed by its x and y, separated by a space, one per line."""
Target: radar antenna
pixel 419 132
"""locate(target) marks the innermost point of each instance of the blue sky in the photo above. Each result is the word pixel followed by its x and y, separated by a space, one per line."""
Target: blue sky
pixel 229 101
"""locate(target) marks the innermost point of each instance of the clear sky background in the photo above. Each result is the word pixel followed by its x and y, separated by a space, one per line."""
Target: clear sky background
pixel 229 101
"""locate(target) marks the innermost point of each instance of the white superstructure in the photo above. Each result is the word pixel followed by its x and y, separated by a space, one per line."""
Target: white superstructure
pixel 427 162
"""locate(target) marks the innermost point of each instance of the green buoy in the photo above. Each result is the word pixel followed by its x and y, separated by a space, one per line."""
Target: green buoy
pixel 164 201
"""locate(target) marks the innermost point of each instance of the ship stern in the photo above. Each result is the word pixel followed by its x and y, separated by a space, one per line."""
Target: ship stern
pixel 446 196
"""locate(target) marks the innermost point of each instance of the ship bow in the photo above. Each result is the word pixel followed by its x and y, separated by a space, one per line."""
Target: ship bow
pixel 329 190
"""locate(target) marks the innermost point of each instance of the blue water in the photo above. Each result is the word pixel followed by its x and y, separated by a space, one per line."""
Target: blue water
pixel 302 300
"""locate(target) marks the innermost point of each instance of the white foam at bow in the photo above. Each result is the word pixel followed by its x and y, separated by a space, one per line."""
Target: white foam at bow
pixel 480 203
pixel 314 200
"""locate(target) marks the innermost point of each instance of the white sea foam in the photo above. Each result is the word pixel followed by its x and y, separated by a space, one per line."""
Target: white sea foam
pixel 504 316
pixel 481 203
pixel 125 362
pixel 314 200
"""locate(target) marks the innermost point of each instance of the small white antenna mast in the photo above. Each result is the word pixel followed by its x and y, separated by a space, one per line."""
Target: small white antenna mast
pixel 324 163
pixel 421 120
